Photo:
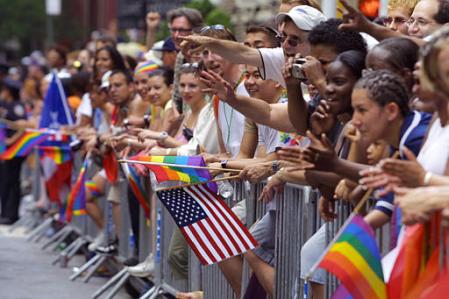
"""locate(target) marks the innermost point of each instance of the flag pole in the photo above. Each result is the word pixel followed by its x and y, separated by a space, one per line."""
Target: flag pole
pixel 233 177
pixel 179 166
pixel 356 210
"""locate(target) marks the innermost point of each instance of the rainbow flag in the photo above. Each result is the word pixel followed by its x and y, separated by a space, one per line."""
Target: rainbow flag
pixel 25 144
pixel 177 172
pixel 59 154
pixel 137 188
pixel 76 202
pixel 355 260
pixel 2 138
pixel 93 188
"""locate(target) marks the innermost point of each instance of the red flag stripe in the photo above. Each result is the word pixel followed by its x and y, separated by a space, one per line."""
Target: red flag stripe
pixel 220 222
pixel 209 240
pixel 226 213
pixel 195 245
pixel 201 245
pixel 221 239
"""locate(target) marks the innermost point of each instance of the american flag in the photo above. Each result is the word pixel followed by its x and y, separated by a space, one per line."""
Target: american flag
pixel 210 227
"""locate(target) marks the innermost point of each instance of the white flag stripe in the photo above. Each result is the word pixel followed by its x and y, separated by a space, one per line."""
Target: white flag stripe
pixel 207 206
pixel 206 240
pixel 198 245
pixel 216 238
pixel 230 219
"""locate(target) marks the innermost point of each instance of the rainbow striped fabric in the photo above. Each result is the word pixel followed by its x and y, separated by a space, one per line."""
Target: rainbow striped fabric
pixel 93 188
pixel 24 145
pixel 2 138
pixel 178 172
pixel 59 154
pixel 76 202
pixel 146 67
pixel 355 260
pixel 137 188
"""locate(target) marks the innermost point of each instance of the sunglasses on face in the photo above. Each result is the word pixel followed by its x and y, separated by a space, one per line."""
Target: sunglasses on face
pixel 397 20
pixel 292 40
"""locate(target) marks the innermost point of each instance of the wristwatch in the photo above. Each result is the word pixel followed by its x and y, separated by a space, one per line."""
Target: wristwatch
pixel 126 123
pixel 163 136
pixel 275 166
pixel 224 163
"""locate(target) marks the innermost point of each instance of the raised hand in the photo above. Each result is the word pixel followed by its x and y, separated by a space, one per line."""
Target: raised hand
pixel 322 120
pixel 194 43
pixel 320 153
pixel 293 154
pixel 353 19
pixel 409 171
pixel 153 19
pixel 218 86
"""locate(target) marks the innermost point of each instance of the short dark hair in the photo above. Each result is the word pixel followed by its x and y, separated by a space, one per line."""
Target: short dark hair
pixel 271 33
pixel 327 33
pixel 108 40
pixel 386 87
pixel 127 74
pixel 62 52
pixel 403 52
pixel 354 60
pixel 164 72
pixel 194 16
pixel 442 16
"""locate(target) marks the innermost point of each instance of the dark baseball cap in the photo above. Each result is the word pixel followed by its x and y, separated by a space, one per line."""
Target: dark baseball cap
pixel 168 46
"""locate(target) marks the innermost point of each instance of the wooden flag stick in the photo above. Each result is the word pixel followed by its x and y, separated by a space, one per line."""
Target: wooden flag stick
pixel 233 177
pixel 179 166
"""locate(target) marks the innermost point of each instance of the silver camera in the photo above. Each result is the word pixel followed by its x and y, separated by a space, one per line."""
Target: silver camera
pixel 297 71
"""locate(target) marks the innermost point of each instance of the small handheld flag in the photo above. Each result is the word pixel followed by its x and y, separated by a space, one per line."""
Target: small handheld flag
pixel 210 227
pixel 177 171
pixel 355 259
pixel 76 203
pixel 24 145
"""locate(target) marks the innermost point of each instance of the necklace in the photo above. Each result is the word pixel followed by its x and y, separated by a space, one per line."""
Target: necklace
pixel 229 122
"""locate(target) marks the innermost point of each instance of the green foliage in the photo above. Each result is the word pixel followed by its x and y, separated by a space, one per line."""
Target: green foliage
pixel 23 20
pixel 204 6
pixel 218 16
pixel 212 15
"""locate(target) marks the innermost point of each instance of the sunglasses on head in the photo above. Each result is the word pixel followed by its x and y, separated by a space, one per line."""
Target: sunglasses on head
pixel 212 27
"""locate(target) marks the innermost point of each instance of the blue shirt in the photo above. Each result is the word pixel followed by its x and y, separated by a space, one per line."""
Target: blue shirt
pixel 412 135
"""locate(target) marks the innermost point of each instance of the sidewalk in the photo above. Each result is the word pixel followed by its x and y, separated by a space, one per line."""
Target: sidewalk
pixel 27 273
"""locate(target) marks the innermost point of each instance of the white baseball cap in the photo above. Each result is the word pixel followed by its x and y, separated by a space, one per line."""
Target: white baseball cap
pixel 305 17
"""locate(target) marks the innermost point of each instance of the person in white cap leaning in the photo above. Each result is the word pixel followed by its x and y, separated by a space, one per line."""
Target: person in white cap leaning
pixel 296 25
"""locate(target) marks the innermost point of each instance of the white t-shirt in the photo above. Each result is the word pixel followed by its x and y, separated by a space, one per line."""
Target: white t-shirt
pixel 434 153
pixel 231 124
pixel 272 61
pixel 204 134
pixel 85 108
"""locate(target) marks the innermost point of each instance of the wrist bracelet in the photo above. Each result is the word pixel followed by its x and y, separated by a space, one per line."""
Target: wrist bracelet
pixel 427 178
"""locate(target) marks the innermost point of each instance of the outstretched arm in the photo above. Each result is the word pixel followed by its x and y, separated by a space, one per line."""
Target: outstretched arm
pixel 229 50
pixel 272 115
pixel 355 20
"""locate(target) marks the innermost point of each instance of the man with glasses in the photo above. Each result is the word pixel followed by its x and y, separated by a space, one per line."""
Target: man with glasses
pixel 427 17
pixel 182 21
pixel 297 23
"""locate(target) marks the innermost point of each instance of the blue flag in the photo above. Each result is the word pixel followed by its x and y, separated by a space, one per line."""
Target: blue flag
pixel 2 137
pixel 56 112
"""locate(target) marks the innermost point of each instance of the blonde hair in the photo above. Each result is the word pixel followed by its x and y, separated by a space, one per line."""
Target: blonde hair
pixel 430 66
pixel 312 3
pixel 408 5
